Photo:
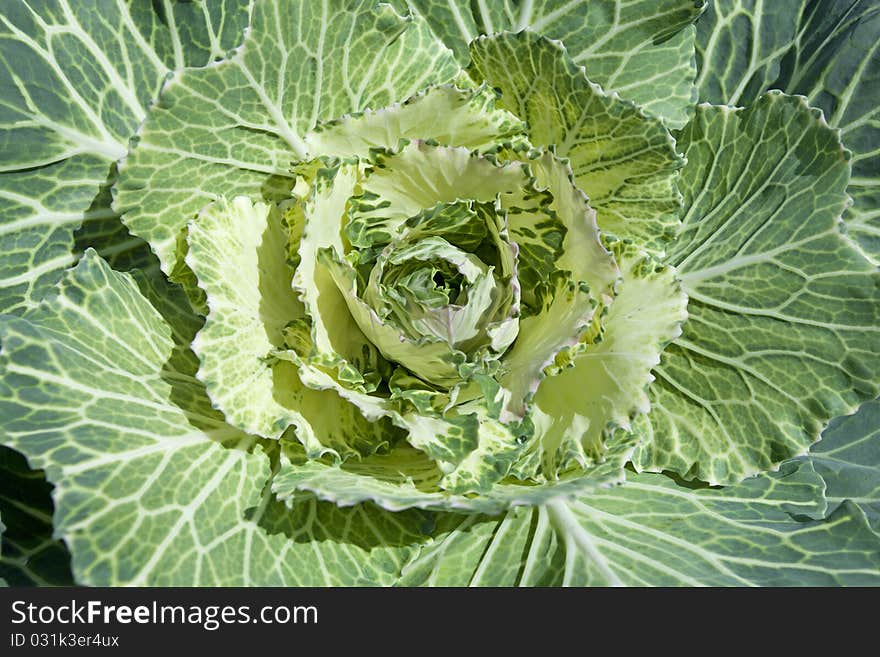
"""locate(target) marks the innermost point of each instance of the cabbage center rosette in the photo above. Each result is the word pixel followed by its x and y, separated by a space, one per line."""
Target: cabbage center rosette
pixel 436 291
pixel 431 322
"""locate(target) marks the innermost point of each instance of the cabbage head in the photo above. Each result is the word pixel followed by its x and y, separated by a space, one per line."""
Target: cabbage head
pixel 440 293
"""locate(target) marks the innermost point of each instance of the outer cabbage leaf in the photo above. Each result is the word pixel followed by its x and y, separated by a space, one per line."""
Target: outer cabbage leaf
pixel 624 160
pixel 642 49
pixel 236 127
pixel 826 50
pixel 848 460
pixel 740 44
pixel 836 64
pixel 784 314
pixel 652 531
pixel 78 79
pixel 87 396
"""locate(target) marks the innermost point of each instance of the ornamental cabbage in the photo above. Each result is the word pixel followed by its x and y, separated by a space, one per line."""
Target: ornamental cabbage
pixel 423 293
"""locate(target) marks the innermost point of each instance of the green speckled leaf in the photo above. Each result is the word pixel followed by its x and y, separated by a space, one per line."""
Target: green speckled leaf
pixel 643 49
pixel 577 410
pixel 77 80
pixel 625 161
pixel 652 532
pixel 784 314
pixel 589 275
pixel 176 507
